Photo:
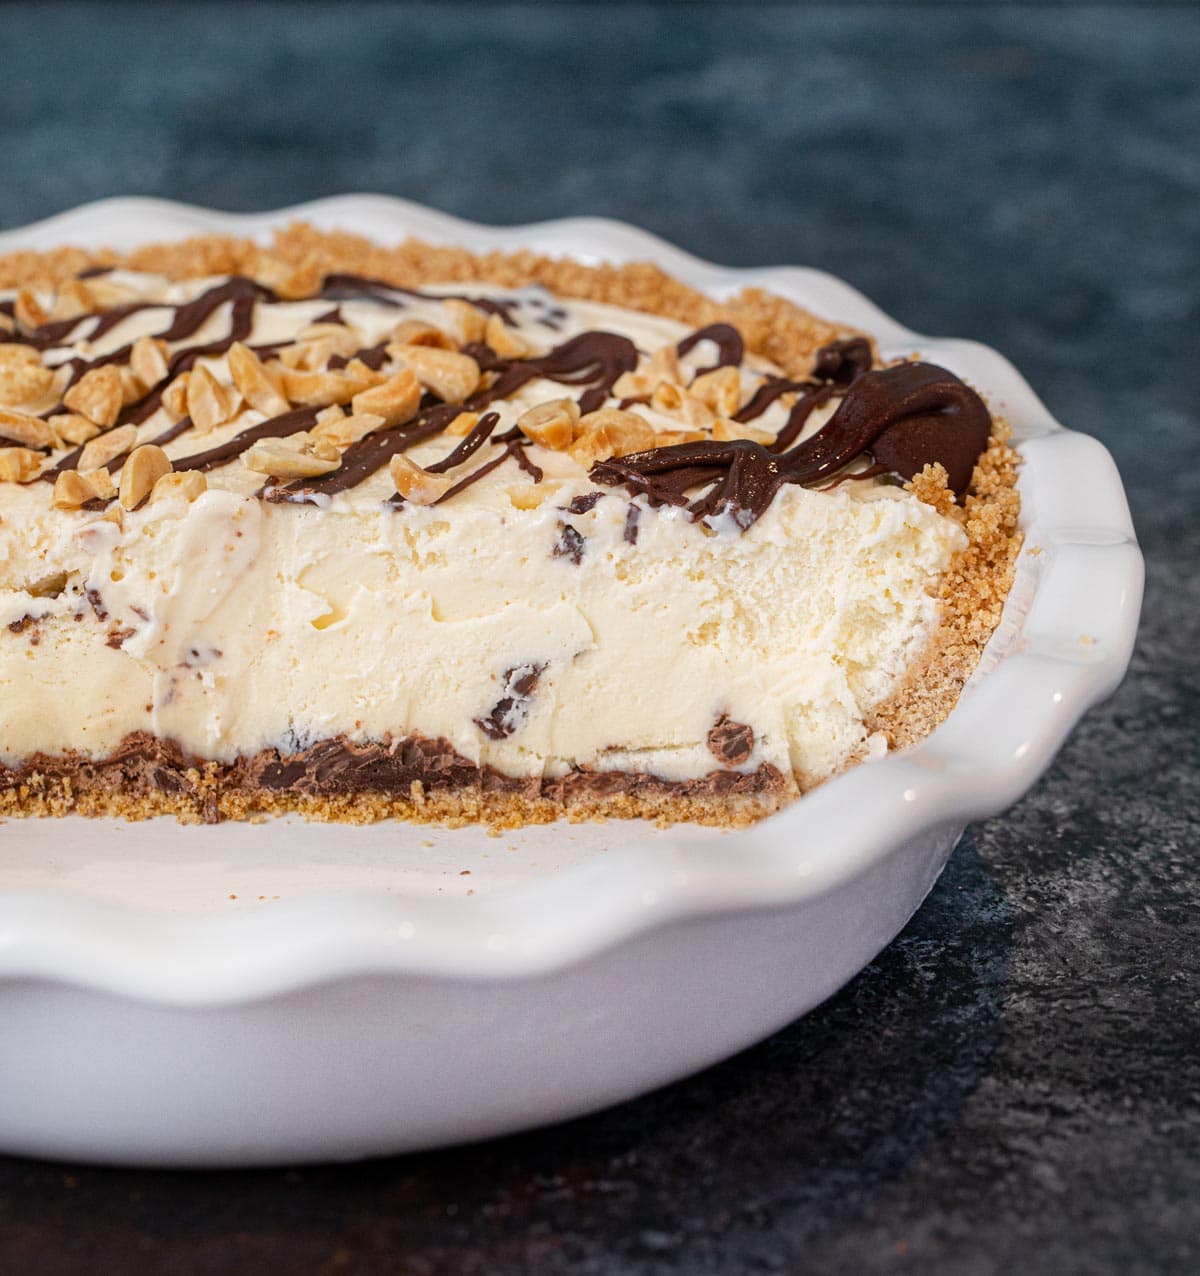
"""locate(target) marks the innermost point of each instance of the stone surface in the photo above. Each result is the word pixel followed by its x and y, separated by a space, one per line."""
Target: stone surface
pixel 1015 1083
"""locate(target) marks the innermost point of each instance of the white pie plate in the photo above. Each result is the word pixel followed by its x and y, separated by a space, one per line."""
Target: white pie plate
pixel 249 995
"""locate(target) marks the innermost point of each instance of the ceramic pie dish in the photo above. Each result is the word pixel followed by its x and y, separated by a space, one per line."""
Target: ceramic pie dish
pixel 256 994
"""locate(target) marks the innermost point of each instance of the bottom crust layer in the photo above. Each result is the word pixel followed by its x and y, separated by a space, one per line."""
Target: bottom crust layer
pixel 419 780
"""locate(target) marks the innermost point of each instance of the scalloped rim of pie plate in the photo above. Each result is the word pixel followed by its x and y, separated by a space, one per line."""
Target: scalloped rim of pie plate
pixel 1064 644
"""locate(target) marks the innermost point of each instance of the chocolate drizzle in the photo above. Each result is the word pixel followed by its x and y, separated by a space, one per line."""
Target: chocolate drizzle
pixel 275 427
pixel 908 416
pixel 595 359
pixel 592 358
pixel 348 287
pixel 904 416
pixel 727 339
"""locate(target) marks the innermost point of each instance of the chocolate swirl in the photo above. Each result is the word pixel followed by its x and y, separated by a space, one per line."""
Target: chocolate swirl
pixel 907 416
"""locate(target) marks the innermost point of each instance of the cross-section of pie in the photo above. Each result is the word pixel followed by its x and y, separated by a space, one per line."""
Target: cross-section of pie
pixel 366 532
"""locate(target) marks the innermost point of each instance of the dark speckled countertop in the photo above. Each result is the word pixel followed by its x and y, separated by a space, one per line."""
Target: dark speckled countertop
pixel 1014 1085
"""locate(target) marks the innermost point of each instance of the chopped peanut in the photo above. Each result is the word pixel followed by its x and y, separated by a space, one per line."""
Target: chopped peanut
pixel 611 432
pixel 209 402
pixel 73 428
pixel 317 344
pixel 143 468
pixel 101 483
pixel 552 424
pixel 667 397
pixel 73 299
pixel 174 397
pixel 73 488
pixel 466 322
pixel 99 451
pixel 19 464
pixel 148 360
pixel 724 430
pixel 721 389
pixel 528 496
pixel 299 455
pixel 697 413
pixel 24 383
pixel 415 484
pixel 450 375
pixel 97 395
pixel 396 399
pixel 28 310
pixel 258 387
pixel 290 280
pixel 462 425
pixel 344 430
pixel 320 389
pixel 506 343
pixel 415 332
pixel 29 431
pixel 186 483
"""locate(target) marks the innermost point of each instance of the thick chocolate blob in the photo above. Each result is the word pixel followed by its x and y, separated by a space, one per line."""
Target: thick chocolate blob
pixel 907 417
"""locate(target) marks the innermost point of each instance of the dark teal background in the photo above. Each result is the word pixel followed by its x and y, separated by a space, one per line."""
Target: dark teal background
pixel 1015 1084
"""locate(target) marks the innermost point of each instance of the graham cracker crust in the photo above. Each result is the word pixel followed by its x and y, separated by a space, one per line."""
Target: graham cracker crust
pixel 971 595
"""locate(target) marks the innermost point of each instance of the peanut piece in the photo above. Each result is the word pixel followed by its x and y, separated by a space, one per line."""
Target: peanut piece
pixel 28 310
pixel 72 300
pixel 663 365
pixel 506 343
pixel 450 375
pixel 73 428
pixel 611 432
pixel 99 451
pixel 254 381
pixel 299 455
pixel 25 383
pixel 528 496
pixel 721 389
pixel 73 488
pixel 209 403
pixel 552 424
pixel 317 344
pixel 14 355
pixel 724 430
pixel 97 395
pixel 290 280
pixel 142 469
pixel 467 323
pixel 19 464
pixel 462 425
pixel 396 399
pixel 667 397
pixel 29 431
pixel 186 483
pixel 348 429
pixel 174 397
pixel 101 483
pixel 320 389
pixel 414 332
pixel 698 414
pixel 148 361
pixel 415 484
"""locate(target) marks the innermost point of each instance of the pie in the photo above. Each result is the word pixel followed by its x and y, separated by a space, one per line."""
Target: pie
pixel 365 532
